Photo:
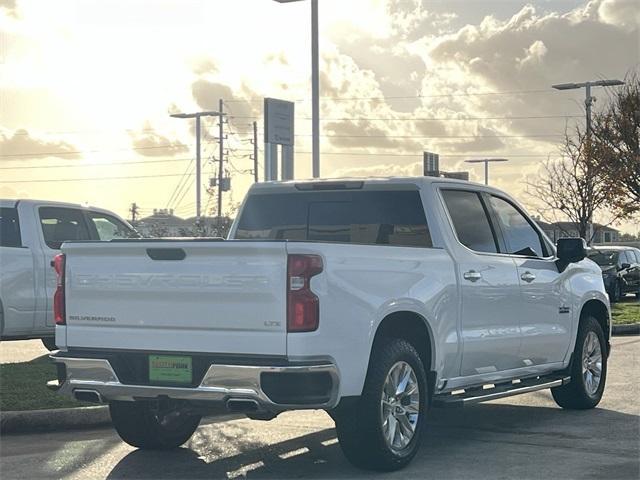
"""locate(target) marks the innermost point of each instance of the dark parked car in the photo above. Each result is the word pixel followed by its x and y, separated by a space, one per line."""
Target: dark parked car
pixel 620 269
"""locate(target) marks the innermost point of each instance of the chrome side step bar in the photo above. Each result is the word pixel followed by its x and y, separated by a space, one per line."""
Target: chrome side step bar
pixel 460 398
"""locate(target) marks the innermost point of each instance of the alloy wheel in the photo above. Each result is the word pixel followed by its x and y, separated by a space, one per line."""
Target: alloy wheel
pixel 591 363
pixel 400 406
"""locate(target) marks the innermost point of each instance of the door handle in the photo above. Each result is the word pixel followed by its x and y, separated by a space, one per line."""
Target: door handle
pixel 472 276
pixel 528 277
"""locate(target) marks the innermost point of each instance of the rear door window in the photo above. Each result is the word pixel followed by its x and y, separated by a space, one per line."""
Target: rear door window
pixel 62 224
pixel 470 220
pixel 360 217
pixel 9 228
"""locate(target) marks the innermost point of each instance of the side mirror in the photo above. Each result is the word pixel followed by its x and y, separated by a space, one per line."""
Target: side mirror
pixel 571 250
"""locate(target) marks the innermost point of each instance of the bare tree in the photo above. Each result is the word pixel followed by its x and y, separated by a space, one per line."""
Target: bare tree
pixel 571 186
pixel 616 145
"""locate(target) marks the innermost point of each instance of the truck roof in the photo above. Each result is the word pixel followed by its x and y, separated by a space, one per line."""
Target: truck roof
pixel 361 182
pixel 7 202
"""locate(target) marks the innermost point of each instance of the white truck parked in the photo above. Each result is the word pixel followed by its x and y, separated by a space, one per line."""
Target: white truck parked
pixel 372 299
pixel 31 232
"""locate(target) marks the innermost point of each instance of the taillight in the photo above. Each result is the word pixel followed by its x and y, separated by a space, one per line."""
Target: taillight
pixel 58 297
pixel 303 307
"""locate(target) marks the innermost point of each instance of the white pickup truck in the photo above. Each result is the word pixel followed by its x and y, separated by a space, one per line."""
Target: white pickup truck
pixel 371 299
pixel 31 232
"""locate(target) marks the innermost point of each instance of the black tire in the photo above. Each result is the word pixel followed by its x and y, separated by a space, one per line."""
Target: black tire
pixel 575 395
pixel 49 343
pixel 142 427
pixel 360 426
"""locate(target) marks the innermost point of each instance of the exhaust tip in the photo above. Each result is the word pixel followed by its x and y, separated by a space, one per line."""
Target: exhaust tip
pixel 90 396
pixel 242 405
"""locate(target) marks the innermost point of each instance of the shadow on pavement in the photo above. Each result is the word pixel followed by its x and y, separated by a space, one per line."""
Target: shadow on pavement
pixel 487 441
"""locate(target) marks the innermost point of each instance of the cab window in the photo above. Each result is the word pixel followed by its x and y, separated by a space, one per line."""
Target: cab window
pixel 470 220
pixel 62 224
pixel 108 227
pixel 9 228
pixel 519 235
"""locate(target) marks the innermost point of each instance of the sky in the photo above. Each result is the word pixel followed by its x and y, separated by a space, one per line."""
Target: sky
pixel 87 86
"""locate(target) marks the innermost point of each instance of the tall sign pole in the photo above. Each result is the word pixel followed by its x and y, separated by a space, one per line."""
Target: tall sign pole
pixel 278 130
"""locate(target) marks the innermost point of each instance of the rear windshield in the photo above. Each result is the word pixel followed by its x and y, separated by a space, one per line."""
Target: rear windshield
pixel 368 218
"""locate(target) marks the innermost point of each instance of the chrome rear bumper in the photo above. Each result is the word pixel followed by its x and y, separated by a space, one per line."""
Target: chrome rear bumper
pixel 220 384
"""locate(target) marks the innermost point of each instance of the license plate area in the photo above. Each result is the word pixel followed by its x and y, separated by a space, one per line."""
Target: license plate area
pixel 171 369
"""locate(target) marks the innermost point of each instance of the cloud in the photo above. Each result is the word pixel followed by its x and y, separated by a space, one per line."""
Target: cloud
pixel 241 107
pixel 487 140
pixel 205 66
pixel 363 134
pixel 381 170
pixel 10 7
pixel 149 143
pixel 533 51
pixel 624 13
pixel 22 146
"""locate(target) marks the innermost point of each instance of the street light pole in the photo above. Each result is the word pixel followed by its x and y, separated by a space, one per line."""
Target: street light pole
pixel 588 102
pixel 486 162
pixel 315 88
pixel 588 98
pixel 197 116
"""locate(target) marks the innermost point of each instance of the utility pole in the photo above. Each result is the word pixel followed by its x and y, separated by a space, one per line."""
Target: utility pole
pixel 197 116
pixel 588 102
pixel 134 213
pixel 255 152
pixel 220 164
pixel 486 162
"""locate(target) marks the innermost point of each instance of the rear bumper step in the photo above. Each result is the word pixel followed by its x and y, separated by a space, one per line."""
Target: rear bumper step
pixel 257 388
pixel 482 394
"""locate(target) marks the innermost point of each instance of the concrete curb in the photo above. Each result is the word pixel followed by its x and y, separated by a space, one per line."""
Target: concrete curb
pixel 55 419
pixel 631 329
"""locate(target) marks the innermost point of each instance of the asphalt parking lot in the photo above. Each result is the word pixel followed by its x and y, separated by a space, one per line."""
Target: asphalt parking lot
pixel 520 437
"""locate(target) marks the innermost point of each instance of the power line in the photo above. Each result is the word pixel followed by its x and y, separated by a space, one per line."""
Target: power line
pixel 400 97
pixel 418 154
pixel 77 152
pixel 439 136
pixel 55 180
pixel 142 162
pixel 427 119
pixel 43 154
pixel 180 183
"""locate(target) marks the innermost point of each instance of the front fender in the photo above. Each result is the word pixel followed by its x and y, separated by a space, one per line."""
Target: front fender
pixel 586 284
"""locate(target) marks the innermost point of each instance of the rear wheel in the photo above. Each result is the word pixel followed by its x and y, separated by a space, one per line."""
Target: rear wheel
pixel 141 425
pixel 588 371
pixel 383 430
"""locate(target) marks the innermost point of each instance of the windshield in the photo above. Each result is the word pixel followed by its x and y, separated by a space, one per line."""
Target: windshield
pixel 604 258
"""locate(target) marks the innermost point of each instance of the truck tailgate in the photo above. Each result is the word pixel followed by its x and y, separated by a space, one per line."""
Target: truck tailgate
pixel 222 297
